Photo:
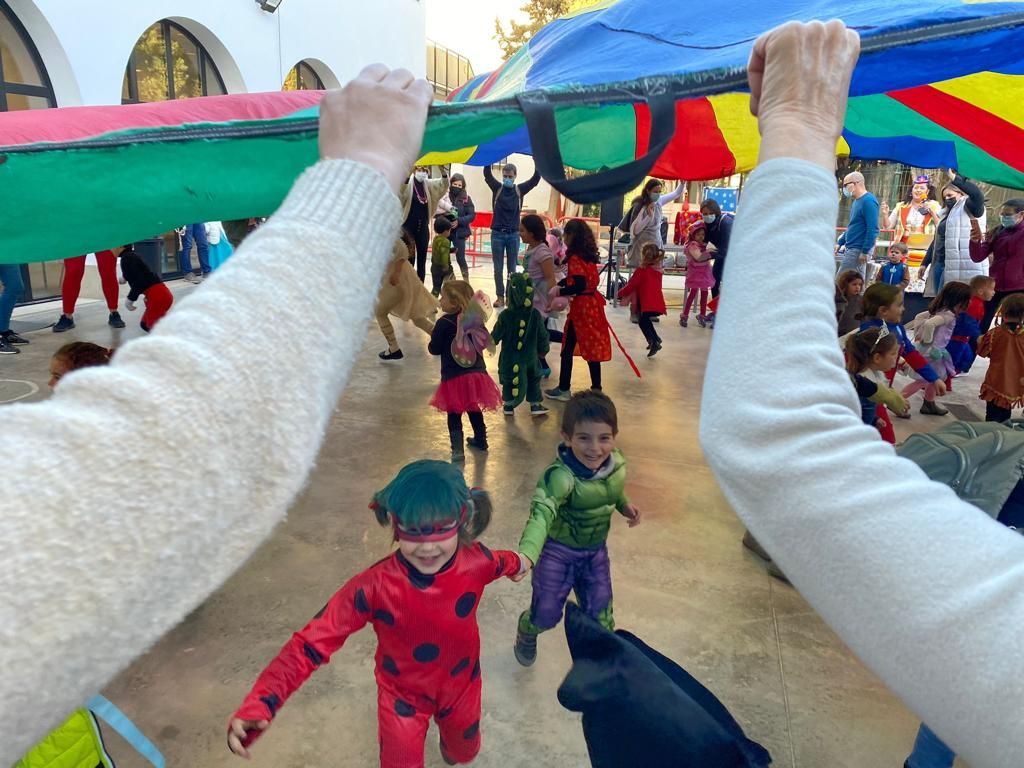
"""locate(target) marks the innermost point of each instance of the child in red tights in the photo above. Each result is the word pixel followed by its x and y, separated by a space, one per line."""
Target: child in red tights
pixel 422 603
pixel 71 286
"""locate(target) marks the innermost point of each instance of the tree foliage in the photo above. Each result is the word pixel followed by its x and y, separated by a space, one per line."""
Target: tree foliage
pixel 539 13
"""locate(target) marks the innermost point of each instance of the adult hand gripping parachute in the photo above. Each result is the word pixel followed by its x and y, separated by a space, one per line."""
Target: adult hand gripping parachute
pixel 621 88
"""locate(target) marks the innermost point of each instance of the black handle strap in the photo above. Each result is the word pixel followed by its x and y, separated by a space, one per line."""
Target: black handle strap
pixel 540 124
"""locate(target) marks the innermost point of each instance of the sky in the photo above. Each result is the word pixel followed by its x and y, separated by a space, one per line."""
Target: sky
pixel 467 27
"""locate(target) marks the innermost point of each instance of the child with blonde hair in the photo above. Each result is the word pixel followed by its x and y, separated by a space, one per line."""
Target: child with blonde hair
pixel 645 284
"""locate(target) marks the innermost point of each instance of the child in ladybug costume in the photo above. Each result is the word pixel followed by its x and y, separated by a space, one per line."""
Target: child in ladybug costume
pixel 421 602
pixel 524 340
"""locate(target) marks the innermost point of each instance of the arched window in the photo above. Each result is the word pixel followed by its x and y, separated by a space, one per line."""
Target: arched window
pixel 169 63
pixel 303 78
pixel 23 80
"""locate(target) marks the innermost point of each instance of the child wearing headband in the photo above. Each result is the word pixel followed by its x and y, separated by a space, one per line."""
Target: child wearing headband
pixel 422 602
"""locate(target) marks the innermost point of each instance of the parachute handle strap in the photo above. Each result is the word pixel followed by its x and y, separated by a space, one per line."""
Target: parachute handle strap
pixel 540 124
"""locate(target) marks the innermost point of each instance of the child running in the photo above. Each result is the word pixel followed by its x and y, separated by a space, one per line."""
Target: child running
pixel 422 602
pixel 142 281
pixel 645 284
pixel 565 539
pixel 524 341
pixel 587 326
pixel 896 272
pixel 699 275
pixel 933 329
pixel 869 354
pixel 465 385
pixel 849 300
pixel 76 355
pixel 441 254
pixel 1003 345
pixel 883 305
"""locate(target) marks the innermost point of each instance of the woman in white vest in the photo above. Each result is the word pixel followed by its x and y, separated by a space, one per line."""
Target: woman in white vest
pixel 950 251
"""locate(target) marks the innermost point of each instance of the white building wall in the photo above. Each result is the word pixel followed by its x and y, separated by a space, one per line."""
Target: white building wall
pixel 85 45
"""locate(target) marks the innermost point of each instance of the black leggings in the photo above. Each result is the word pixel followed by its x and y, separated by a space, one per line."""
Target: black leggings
pixel 647 327
pixel 555 337
pixel 568 347
pixel 994 412
pixel 419 228
pixel 460 254
pixel 476 421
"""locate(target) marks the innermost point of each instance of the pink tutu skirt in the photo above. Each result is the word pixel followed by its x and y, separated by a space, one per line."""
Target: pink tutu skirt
pixel 474 391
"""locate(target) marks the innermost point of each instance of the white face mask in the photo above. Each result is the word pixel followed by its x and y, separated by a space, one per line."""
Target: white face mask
pixel 421 176
pixel 710 219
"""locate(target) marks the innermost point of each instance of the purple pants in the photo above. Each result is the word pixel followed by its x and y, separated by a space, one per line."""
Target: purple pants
pixel 560 569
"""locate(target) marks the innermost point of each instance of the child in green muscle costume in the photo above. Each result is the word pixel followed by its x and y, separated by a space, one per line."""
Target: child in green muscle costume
pixel 565 538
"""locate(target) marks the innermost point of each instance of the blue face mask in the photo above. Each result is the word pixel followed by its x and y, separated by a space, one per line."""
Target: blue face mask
pixel 710 219
pixel 508 183
pixel 847 192
pixel 1008 222
pixel 654 196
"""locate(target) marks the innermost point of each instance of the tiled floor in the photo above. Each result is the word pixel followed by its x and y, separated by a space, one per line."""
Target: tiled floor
pixel 683 583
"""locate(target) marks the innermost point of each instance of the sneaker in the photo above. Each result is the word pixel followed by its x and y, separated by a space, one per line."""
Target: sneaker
pixel 525 648
pixel 702 321
pixel 66 323
pixel 389 355
pixel 562 395
pixel 710 320
pixel 508 409
pixel 6 348
pixel 479 443
pixel 538 409
pixel 193 278
pixel 931 408
pixel 655 349
pixel 684 321
pixel 499 302
pixel 12 338
pixel 545 373
pixel 115 321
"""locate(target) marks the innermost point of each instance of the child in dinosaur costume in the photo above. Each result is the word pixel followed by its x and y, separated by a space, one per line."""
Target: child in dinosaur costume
pixel 565 539
pixel 524 340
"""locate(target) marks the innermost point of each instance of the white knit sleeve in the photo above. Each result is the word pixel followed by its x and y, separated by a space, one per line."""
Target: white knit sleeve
pixel 925 588
pixel 139 488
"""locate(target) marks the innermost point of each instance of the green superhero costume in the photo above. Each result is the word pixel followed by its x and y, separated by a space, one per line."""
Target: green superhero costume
pixel 524 338
pixel 566 536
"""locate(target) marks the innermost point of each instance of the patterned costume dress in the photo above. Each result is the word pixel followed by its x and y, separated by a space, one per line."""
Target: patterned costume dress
pixel 586 313
pixel 566 536
pixel 931 335
pixel 524 339
pixel 428 651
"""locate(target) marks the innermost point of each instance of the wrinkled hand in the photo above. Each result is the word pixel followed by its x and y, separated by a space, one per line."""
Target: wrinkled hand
pixel 377 119
pixel 129 305
pixel 237 732
pixel 799 84
pixel 632 514
pixel 529 567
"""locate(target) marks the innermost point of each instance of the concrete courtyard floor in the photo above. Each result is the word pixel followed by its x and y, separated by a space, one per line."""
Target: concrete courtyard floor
pixel 683 582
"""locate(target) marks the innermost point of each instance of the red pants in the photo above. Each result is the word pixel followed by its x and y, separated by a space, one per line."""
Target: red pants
pixel 403 726
pixel 691 294
pixel 74 271
pixel 158 301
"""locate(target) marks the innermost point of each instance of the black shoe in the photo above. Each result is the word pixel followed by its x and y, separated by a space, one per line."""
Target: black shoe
pixel 115 321
pixel 655 319
pixel 458 452
pixel 6 348
pixel 12 338
pixel 655 349
pixel 386 355
pixel 480 443
pixel 525 648
pixel 65 323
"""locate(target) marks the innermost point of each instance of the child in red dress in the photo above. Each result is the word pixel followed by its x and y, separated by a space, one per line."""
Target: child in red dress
pixel 422 602
pixel 645 284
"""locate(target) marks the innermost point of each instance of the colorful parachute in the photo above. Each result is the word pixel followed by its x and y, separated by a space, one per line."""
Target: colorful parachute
pixel 624 88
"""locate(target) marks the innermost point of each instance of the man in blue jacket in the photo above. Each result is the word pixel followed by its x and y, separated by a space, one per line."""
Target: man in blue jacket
pixel 859 237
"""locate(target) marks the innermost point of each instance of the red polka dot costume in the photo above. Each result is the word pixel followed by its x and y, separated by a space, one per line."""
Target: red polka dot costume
pixel 428 652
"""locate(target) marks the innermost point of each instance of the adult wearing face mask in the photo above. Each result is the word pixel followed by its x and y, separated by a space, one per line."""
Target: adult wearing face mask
pixel 507 204
pixel 457 204
pixel 420 197
pixel 862 231
pixel 1005 245
pixel 719 230
pixel 646 215
pixel 950 251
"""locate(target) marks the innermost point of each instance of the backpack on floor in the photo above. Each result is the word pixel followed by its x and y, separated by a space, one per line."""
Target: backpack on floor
pixel 983 462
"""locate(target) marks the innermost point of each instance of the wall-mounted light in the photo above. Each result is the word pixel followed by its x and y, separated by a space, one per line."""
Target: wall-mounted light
pixel 269 5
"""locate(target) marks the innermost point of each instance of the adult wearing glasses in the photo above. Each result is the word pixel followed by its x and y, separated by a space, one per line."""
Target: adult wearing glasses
pixel 862 231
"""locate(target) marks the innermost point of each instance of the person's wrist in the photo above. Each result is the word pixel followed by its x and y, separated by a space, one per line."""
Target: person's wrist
pixel 797 139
